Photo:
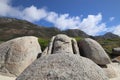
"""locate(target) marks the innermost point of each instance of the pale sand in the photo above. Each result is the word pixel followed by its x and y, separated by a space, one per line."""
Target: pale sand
pixel 6 78
pixel 118 78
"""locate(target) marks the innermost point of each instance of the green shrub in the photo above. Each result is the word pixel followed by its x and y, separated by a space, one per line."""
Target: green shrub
pixel 43 43
pixel 1 42
pixel 78 38
pixel 107 44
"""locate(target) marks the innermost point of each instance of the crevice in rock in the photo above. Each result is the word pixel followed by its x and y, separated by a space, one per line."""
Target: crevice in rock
pixel 82 53
pixel 39 55
pixel 73 47
pixel 102 66
pixel 7 55
pixel 52 49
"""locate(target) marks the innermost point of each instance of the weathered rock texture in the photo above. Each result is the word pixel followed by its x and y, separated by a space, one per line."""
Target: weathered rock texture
pixel 94 51
pixel 63 67
pixel 116 51
pixel 62 44
pixel 17 54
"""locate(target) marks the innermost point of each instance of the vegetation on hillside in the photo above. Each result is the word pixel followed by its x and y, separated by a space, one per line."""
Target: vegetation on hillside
pixel 78 38
pixel 12 28
pixel 109 44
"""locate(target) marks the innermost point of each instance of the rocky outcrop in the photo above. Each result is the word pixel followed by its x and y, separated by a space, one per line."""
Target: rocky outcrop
pixel 17 54
pixel 93 50
pixel 62 44
pixel 63 67
pixel 116 51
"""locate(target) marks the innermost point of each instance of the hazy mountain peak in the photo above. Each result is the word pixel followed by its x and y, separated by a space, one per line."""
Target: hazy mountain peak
pixel 110 35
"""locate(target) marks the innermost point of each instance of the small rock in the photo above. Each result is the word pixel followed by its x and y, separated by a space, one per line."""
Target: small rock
pixel 116 51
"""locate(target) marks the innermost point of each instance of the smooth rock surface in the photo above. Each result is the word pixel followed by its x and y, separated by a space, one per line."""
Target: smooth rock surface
pixel 17 54
pixel 93 50
pixel 63 67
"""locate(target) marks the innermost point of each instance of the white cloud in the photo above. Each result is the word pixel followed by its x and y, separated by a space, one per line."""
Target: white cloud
pixel 92 24
pixel 116 29
pixel 4 7
pixel 63 21
pixel 29 13
pixel 111 18
pixel 33 14
pixel 51 17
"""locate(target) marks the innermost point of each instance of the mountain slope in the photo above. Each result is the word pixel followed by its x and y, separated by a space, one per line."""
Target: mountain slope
pixel 75 33
pixel 108 41
pixel 11 28
pixel 108 35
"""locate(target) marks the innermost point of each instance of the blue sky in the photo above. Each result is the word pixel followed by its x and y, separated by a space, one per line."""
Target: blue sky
pixel 92 16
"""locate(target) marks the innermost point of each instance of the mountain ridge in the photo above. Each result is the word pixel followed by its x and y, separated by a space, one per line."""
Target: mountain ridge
pixel 12 28
pixel 107 35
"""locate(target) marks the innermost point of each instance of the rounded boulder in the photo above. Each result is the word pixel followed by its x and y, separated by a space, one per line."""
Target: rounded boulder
pixel 63 67
pixel 17 54
pixel 93 50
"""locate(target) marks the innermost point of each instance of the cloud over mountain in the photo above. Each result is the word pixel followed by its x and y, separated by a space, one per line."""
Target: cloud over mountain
pixel 92 24
pixel 33 14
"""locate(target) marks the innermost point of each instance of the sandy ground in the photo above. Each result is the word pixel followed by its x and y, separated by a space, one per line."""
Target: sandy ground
pixel 116 67
pixel 118 78
pixel 6 78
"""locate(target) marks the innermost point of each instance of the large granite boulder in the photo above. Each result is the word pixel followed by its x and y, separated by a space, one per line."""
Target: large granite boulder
pixel 63 67
pixel 93 50
pixel 17 54
pixel 62 44
pixel 116 51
